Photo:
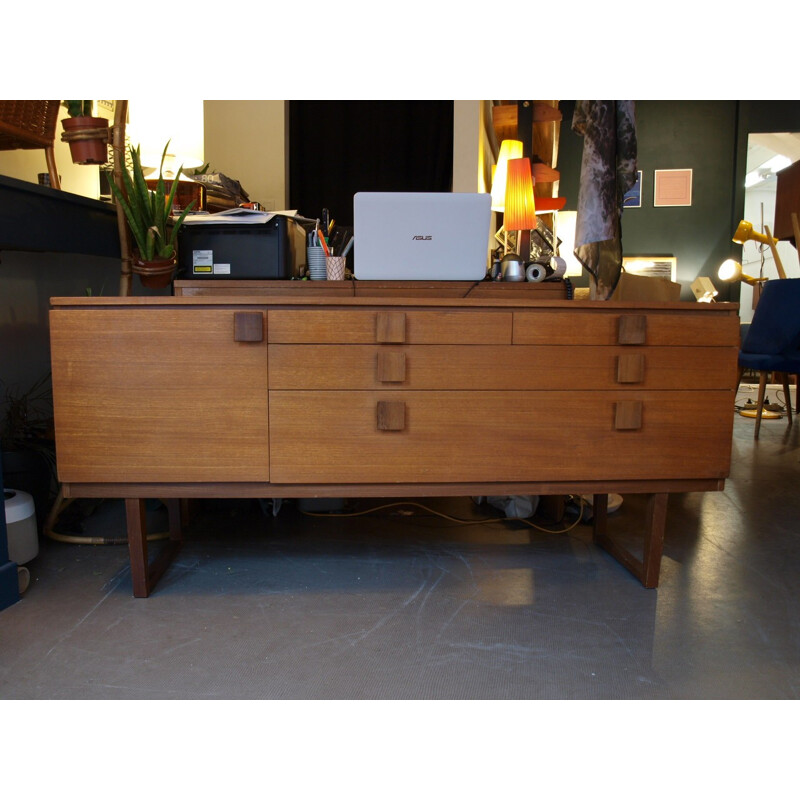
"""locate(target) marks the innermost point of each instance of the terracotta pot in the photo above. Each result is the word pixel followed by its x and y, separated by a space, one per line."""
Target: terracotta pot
pixel 89 150
pixel 155 274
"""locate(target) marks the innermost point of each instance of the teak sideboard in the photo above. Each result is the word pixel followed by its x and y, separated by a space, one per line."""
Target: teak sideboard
pixel 303 392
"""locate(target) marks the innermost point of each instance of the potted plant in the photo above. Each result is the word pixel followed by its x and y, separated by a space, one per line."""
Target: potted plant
pixel 149 216
pixel 87 135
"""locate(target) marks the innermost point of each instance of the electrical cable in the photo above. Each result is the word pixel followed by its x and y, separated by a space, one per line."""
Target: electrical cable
pixel 458 521
pixel 59 505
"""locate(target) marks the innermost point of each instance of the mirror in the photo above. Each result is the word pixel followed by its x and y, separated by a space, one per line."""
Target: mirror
pixel 767 154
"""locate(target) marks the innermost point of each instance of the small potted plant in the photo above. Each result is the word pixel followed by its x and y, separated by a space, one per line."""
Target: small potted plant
pixel 87 135
pixel 149 216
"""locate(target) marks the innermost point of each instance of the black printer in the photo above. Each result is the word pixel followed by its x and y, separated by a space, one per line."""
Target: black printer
pixel 230 250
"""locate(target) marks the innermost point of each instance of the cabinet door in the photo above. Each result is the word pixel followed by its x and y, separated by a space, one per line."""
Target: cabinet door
pixel 160 394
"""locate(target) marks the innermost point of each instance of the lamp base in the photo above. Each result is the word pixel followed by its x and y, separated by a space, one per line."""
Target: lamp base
pixel 765 413
pixel 186 192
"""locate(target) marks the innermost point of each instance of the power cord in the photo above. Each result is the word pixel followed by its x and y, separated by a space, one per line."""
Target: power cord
pixel 487 520
pixel 60 505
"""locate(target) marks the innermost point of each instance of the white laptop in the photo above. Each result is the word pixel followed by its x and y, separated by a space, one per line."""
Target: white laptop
pixel 430 236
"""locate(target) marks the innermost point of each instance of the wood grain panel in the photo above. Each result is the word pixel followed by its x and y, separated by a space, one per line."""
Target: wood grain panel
pixel 157 394
pixel 456 436
pixel 277 289
pixel 410 289
pixel 329 326
pixel 525 290
pixel 685 329
pixel 503 367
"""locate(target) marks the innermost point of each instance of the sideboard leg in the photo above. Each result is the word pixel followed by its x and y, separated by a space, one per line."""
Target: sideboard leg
pixel 145 575
pixel 176 519
pixel 646 569
pixel 599 514
pixel 654 539
pixel 137 545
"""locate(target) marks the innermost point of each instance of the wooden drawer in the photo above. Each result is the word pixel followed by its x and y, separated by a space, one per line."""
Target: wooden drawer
pixel 601 327
pixel 483 367
pixel 370 326
pixel 453 437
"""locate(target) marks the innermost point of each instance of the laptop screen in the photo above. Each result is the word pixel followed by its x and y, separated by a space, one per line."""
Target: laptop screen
pixel 433 236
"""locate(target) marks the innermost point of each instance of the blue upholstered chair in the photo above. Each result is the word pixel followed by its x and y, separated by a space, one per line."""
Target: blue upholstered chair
pixel 772 342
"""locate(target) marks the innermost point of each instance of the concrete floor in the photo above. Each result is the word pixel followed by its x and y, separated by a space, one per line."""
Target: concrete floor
pixel 403 604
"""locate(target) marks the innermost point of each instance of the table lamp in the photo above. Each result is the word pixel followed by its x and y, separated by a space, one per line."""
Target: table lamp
pixel 179 122
pixel 520 209
pixel 730 270
pixel 745 232
pixel 509 148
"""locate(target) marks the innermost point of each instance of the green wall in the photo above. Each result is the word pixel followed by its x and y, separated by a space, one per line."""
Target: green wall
pixel 706 136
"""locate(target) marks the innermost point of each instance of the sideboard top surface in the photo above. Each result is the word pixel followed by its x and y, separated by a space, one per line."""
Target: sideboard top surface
pixel 423 301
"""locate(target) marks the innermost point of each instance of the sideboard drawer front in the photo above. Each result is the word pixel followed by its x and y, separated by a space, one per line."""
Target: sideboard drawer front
pixel 461 437
pixel 371 326
pixel 689 328
pixel 484 367
pixel 361 367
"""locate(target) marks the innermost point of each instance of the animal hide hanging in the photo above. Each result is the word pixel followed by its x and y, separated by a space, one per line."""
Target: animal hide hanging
pixel 608 171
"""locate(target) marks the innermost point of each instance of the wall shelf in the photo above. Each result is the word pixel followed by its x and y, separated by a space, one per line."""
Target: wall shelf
pixel 40 219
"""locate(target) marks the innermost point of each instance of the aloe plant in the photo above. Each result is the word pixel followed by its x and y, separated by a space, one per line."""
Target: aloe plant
pixel 148 212
pixel 79 108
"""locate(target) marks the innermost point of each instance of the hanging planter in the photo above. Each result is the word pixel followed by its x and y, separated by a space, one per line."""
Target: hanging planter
pixel 86 135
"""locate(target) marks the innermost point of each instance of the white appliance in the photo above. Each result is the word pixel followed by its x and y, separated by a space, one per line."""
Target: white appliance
pixel 429 236
pixel 23 539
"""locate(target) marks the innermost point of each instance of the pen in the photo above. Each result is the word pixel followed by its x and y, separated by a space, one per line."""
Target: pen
pixel 323 243
pixel 336 238
pixel 347 248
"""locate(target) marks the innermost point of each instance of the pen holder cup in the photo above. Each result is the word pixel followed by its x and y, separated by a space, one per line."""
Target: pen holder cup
pixel 335 266
pixel 315 257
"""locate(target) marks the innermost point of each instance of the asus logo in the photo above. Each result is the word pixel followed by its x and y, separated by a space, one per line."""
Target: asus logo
pixel 421 238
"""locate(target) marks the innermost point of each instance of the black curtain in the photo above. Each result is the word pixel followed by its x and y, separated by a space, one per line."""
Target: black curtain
pixel 340 147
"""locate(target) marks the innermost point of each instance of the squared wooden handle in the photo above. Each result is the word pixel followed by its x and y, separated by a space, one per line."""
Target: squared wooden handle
pixel 632 329
pixel 391 415
pixel 630 368
pixel 248 326
pixel 391 366
pixel 390 327
pixel 628 415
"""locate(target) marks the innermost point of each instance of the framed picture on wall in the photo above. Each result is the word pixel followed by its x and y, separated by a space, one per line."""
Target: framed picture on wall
pixel 672 187
pixel 651 266
pixel 633 197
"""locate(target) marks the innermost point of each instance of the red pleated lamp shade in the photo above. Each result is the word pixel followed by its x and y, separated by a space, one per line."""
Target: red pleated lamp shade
pixel 520 211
